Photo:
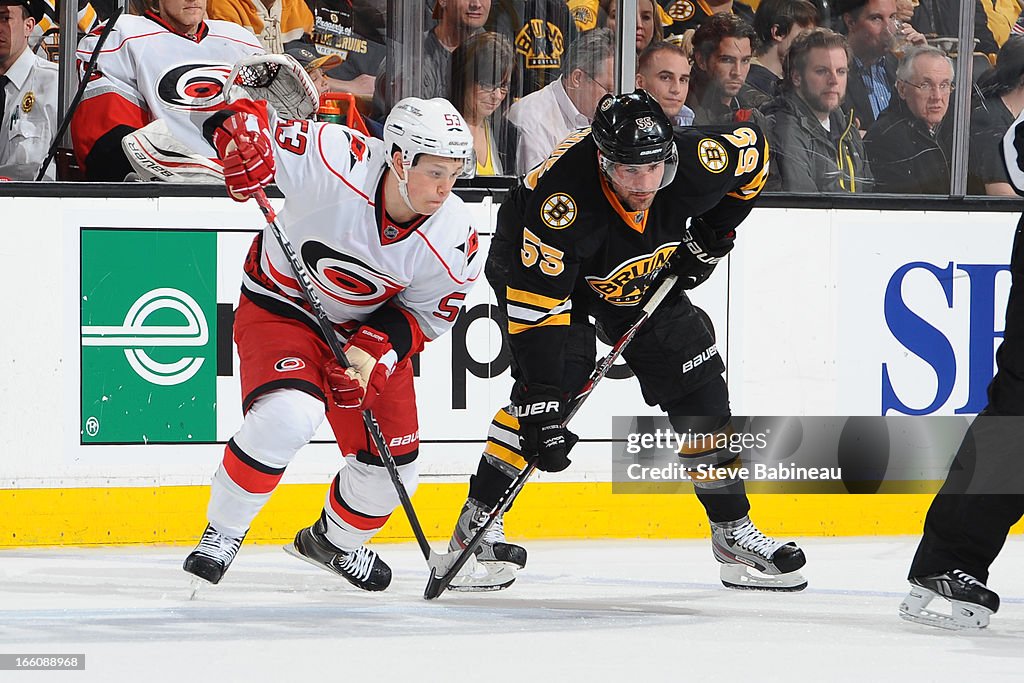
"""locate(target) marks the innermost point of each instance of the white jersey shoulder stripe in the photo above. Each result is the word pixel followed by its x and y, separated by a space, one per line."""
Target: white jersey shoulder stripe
pixel 327 165
pixel 442 261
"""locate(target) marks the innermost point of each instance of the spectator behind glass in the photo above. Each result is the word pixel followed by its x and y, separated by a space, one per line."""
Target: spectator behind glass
pixel 663 70
pixel 541 30
pixel 456 21
pixel 815 145
pixel 316 66
pixel 871 31
pixel 278 24
pixel 648 21
pixel 942 17
pixel 481 80
pixel 777 23
pixel 722 49
pixel 692 14
pixel 1001 102
pixel 548 116
pixel 910 144
pixel 28 95
pixel 355 31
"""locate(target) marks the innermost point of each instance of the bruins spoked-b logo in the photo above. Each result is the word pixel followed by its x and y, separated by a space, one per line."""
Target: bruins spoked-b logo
pixel 712 155
pixel 681 10
pixel 627 282
pixel 558 211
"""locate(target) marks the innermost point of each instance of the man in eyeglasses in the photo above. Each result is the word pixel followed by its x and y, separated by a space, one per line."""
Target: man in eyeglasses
pixel 909 146
pixel 546 117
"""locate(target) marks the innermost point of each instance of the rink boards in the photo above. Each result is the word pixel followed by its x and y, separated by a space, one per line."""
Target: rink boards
pixel 121 387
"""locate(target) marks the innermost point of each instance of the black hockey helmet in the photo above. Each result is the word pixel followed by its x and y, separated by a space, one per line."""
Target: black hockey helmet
pixel 632 129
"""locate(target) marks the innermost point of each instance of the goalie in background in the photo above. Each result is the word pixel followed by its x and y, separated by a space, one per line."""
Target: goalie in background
pixel 166 65
pixel 584 235
pixel 983 496
pixel 392 255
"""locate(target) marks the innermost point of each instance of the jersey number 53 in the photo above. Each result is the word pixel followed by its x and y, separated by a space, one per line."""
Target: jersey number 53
pixel 534 251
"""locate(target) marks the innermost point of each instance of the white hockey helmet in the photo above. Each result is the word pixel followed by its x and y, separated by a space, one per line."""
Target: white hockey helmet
pixel 418 126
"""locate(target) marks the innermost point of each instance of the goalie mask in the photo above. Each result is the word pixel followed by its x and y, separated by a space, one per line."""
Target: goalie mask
pixel 634 139
pixel 416 126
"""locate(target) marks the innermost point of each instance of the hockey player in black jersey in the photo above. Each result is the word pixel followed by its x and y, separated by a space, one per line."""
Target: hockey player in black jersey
pixel 581 239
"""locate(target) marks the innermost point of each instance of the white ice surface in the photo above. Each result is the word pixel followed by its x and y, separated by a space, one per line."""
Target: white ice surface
pixel 584 610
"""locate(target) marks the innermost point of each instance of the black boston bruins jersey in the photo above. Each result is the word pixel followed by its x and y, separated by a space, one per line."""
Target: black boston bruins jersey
pixel 565 246
pixel 687 14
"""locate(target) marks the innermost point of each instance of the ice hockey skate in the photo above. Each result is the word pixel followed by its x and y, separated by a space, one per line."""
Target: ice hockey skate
pixel 496 562
pixel 971 602
pixel 752 561
pixel 362 567
pixel 212 557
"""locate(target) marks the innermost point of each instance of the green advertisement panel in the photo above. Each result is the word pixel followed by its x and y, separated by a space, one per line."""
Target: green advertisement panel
pixel 149 301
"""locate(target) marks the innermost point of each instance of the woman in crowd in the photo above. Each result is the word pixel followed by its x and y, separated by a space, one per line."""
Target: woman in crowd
pixel 649 21
pixel 1000 102
pixel 482 75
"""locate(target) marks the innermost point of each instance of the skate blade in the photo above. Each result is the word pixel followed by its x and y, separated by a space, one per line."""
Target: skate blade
pixel 194 584
pixel 962 617
pixel 741 577
pixel 476 577
pixel 293 551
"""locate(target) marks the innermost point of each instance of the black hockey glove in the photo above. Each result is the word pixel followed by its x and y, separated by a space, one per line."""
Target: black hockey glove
pixel 699 252
pixel 540 410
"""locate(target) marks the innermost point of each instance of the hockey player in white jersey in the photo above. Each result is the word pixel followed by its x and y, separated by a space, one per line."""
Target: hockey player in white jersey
pixel 170 66
pixel 392 255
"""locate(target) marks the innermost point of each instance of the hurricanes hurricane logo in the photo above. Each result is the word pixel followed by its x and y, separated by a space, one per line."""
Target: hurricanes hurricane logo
pixel 134 334
pixel 345 278
pixel 712 155
pixel 558 211
pixel 628 282
pixel 541 44
pixel 193 87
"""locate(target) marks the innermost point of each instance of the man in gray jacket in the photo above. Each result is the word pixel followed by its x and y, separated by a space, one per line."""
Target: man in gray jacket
pixel 817 147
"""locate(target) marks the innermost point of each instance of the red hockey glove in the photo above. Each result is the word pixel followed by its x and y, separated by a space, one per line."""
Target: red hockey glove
pixel 373 361
pixel 243 143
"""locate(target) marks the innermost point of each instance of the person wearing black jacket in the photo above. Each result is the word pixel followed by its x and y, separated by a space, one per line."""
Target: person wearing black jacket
pixel 910 144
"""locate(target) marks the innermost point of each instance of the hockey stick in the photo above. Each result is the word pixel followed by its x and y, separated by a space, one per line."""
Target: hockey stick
pixel 66 121
pixel 339 353
pixel 441 572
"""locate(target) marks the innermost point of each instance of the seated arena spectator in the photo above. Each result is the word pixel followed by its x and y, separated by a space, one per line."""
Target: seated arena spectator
pixel 548 116
pixel 871 32
pixel 777 23
pixel 663 70
pixel 722 49
pixel 815 145
pixel 909 146
pixel 456 21
pixel 355 31
pixel 316 65
pixel 278 24
pixel 691 14
pixel 649 25
pixel 1001 102
pixel 482 77
pixel 28 95
pixel 540 30
pixel 942 18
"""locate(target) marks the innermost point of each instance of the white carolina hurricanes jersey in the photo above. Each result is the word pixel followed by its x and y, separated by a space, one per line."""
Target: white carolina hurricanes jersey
pixel 147 71
pixel 358 260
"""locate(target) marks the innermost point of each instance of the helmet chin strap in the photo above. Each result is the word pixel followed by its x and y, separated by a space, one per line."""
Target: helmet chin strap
pixel 403 184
